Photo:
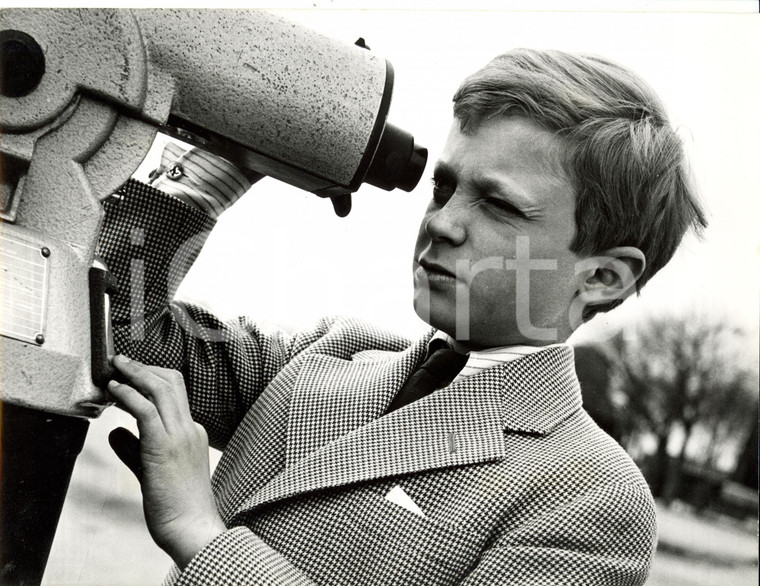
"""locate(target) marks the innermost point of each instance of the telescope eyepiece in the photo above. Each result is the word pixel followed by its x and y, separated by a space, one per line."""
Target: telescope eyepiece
pixel 398 162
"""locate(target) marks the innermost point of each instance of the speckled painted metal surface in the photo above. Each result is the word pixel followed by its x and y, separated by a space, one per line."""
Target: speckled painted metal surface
pixel 299 97
pixel 96 50
pixel 78 148
pixel 60 209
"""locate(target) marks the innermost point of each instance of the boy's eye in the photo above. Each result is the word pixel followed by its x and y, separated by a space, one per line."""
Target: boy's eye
pixel 442 190
pixel 505 206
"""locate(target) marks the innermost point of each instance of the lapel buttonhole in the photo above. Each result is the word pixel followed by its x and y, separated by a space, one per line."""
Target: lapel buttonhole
pixel 452 441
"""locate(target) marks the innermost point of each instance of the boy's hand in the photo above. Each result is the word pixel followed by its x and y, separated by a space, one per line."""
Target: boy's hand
pixel 173 466
pixel 200 179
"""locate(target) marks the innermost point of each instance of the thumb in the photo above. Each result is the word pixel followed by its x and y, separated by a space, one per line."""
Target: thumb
pixel 127 447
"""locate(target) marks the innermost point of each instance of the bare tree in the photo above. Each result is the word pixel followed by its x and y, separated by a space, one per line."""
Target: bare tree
pixel 684 374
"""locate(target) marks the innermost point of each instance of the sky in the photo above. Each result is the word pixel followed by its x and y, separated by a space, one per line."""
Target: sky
pixel 281 256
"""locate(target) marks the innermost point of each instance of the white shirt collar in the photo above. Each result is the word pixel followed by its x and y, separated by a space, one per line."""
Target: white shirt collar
pixel 480 360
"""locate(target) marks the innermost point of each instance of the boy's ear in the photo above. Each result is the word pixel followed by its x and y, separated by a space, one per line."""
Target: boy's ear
pixel 611 275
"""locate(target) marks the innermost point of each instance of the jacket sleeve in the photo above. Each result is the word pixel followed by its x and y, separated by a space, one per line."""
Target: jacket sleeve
pixel 238 558
pixel 149 241
pixel 606 537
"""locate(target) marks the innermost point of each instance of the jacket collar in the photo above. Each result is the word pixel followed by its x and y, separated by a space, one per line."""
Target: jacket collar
pixel 536 392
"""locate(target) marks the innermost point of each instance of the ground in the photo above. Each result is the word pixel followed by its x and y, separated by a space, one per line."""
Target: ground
pixel 704 550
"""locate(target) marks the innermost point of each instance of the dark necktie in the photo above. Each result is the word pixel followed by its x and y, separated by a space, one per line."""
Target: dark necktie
pixel 440 368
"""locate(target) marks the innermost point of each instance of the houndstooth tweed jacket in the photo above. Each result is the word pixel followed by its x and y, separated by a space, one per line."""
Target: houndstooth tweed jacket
pixel 514 482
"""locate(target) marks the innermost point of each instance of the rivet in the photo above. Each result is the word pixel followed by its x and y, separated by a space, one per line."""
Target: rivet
pixel 45 251
pixel 40 339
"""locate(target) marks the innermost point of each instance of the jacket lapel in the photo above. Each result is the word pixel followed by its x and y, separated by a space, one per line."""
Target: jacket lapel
pixel 330 445
pixel 451 427
pixel 332 396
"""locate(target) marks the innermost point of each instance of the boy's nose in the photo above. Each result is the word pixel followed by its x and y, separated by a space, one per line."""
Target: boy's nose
pixel 448 224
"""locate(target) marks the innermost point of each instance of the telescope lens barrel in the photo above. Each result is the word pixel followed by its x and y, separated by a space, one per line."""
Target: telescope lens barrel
pixel 398 162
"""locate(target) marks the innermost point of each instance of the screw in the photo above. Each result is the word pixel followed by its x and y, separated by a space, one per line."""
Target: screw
pixel 45 251
pixel 40 339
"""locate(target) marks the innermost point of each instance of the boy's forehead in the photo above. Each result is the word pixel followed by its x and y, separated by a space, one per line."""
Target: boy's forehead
pixel 543 142
pixel 509 152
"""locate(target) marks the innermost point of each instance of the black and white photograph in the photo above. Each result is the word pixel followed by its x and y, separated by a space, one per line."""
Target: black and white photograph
pixel 380 293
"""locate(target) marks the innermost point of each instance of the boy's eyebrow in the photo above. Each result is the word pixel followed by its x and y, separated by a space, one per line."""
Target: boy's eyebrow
pixel 510 190
pixel 443 170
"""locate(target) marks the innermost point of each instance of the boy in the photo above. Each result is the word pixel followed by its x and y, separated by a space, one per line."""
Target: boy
pixel 350 454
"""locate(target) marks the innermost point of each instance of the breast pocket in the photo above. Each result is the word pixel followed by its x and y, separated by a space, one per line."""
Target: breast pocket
pixel 422 550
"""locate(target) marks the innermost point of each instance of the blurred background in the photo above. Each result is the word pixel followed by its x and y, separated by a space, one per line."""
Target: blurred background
pixel 671 375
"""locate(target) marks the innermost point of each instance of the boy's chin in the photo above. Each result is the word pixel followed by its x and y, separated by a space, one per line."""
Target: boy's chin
pixel 439 320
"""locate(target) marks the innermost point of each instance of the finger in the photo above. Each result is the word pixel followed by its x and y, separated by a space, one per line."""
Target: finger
pixel 127 448
pixel 148 383
pixel 175 379
pixel 142 409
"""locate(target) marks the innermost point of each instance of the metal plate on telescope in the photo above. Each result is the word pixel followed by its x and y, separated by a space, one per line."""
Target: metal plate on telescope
pixel 23 290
